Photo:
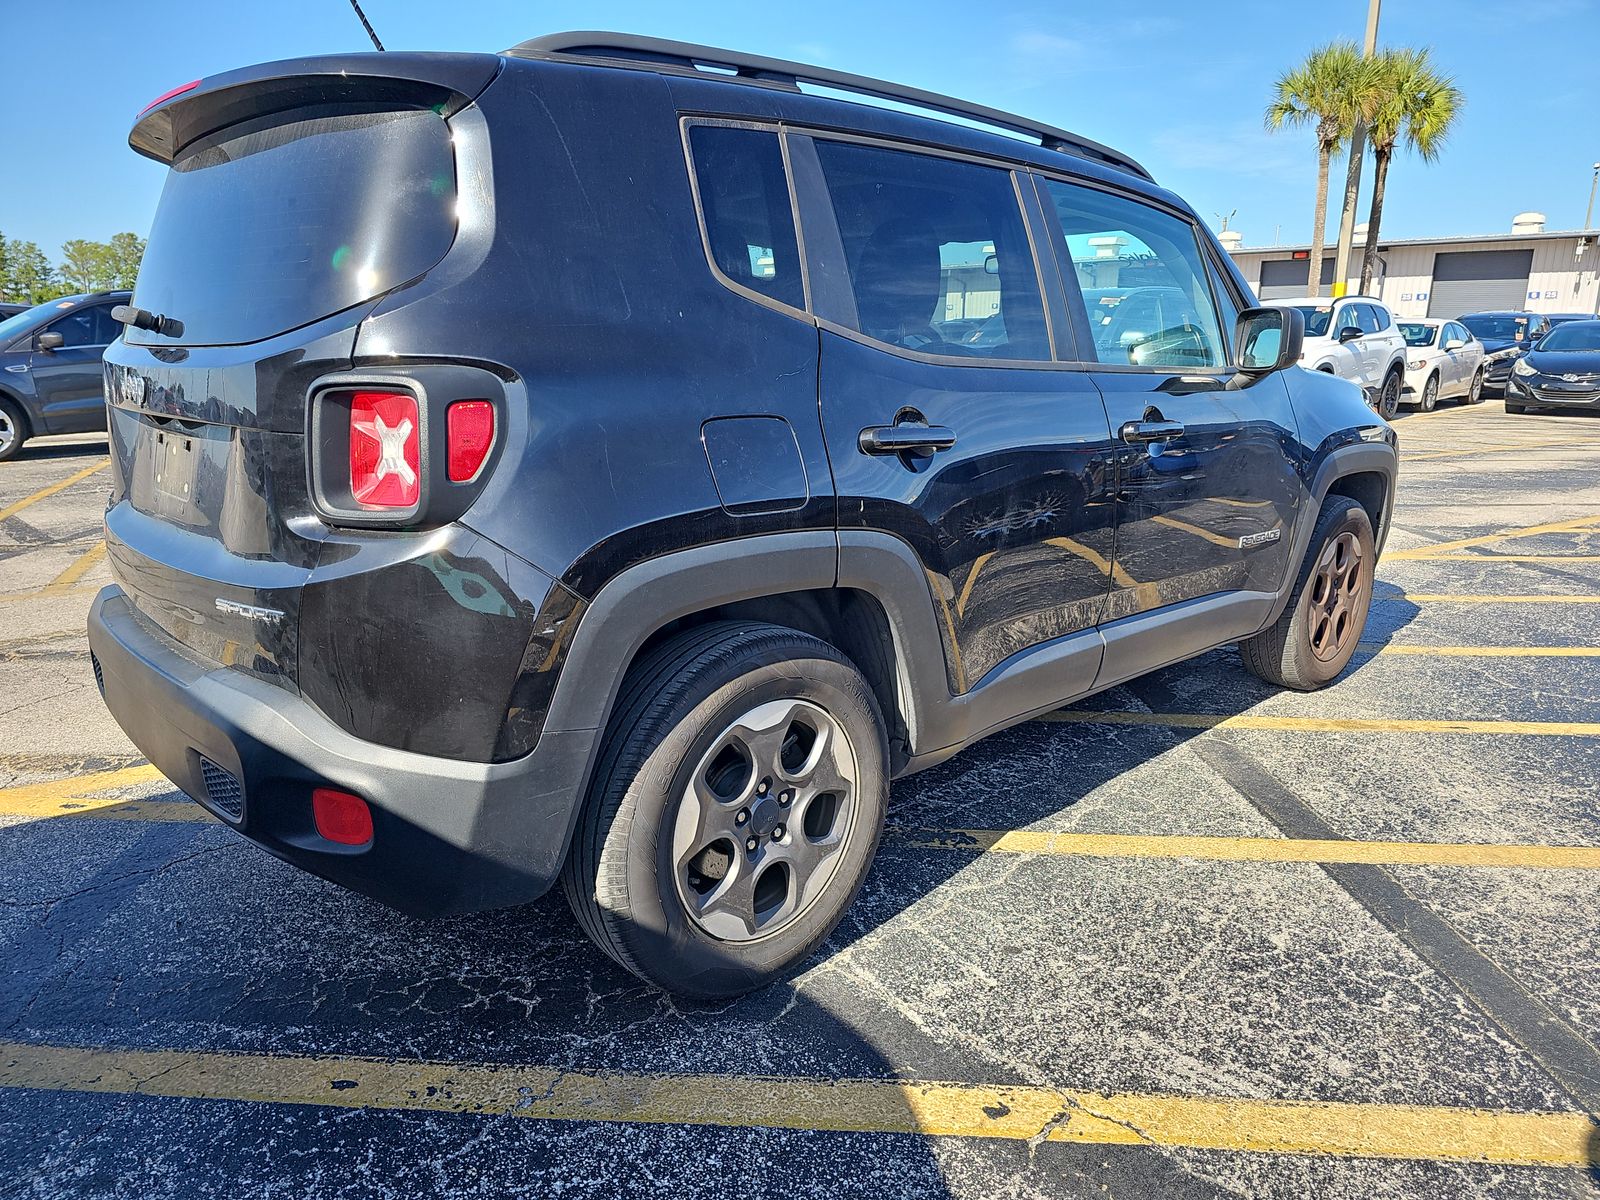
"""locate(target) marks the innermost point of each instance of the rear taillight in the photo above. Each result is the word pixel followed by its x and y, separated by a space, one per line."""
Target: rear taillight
pixel 341 817
pixel 165 96
pixel 469 428
pixel 385 450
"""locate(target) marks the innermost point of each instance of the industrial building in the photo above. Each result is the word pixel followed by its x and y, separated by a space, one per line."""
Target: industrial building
pixel 1446 276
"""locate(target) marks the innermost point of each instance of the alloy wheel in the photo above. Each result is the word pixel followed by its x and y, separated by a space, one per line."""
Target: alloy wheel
pixel 1475 396
pixel 1389 398
pixel 8 433
pixel 764 820
pixel 1335 595
pixel 1430 394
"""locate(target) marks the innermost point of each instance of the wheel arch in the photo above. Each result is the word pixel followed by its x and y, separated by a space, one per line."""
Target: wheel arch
pixel 10 396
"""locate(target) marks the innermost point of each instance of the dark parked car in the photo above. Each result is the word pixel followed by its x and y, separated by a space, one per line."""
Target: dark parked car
pixel 534 506
pixel 51 379
pixel 1555 319
pixel 1562 371
pixel 1506 336
pixel 11 310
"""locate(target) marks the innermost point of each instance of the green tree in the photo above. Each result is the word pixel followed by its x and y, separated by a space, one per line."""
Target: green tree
pixel 126 250
pixel 1416 105
pixel 1332 89
pixel 86 266
pixel 26 276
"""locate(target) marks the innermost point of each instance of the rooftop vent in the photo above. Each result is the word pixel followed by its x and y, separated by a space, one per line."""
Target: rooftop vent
pixel 1528 222
pixel 1232 240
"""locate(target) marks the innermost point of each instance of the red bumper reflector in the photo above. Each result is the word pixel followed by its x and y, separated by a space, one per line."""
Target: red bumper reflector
pixel 165 96
pixel 341 817
pixel 470 428
pixel 385 442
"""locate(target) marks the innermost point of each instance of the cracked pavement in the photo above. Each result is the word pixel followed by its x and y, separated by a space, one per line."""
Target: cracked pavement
pixel 1077 975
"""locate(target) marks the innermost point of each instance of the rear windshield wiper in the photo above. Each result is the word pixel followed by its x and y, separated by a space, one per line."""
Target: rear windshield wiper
pixel 154 322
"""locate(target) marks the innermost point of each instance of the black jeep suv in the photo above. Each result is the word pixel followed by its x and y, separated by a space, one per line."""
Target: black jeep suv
pixel 606 461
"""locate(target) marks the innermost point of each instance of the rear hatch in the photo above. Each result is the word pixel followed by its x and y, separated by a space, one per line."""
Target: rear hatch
pixel 298 195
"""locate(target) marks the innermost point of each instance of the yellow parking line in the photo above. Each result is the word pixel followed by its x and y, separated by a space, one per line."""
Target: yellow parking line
pixel 1095 559
pixel 1483 651
pixel 1493 450
pixel 1215 539
pixel 1254 849
pixel 1453 598
pixel 972 578
pixel 76 570
pixel 61 797
pixel 1571 525
pixel 36 593
pixel 13 509
pixel 1503 558
pixel 935 1109
pixel 1324 724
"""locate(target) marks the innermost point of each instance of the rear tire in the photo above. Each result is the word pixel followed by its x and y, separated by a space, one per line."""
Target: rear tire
pixel 1430 394
pixel 13 429
pixel 1317 633
pixel 707 754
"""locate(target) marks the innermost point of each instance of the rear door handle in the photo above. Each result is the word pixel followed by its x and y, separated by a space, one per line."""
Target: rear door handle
pixel 906 438
pixel 1140 433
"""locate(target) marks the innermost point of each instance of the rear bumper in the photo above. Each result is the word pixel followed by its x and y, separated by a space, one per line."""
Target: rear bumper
pixel 448 836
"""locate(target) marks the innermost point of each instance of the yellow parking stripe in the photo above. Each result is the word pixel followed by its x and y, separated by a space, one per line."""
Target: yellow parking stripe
pixel 1572 525
pixel 1483 651
pixel 1453 598
pixel 1216 539
pixel 936 1109
pixel 1503 558
pixel 71 795
pixel 1324 724
pixel 972 578
pixel 1253 849
pixel 13 509
pixel 76 570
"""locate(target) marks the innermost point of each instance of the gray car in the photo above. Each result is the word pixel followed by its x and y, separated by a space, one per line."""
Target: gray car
pixel 50 372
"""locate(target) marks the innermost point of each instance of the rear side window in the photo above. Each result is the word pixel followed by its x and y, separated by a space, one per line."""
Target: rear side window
pixel 744 202
pixel 1143 280
pixel 262 230
pixel 938 257
pixel 1373 318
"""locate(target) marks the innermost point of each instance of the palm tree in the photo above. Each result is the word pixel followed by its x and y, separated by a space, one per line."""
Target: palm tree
pixel 1416 104
pixel 1330 91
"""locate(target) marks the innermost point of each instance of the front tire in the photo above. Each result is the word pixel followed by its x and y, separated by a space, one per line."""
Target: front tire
pixel 13 429
pixel 1389 397
pixel 1475 395
pixel 1430 394
pixel 735 809
pixel 1317 633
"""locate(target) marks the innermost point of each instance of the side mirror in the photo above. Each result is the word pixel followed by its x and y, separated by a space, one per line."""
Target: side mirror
pixel 991 264
pixel 50 342
pixel 1349 334
pixel 1454 344
pixel 1268 339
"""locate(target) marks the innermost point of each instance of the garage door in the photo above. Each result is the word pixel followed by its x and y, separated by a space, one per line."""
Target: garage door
pixel 1467 281
pixel 1286 278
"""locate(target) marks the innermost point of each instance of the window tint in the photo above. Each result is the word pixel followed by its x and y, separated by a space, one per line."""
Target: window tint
pixel 1227 310
pixel 86 327
pixel 936 251
pixel 744 195
pixel 1143 280
pixel 1348 317
pixel 1373 318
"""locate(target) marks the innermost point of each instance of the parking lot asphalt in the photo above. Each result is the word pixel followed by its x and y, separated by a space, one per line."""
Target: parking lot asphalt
pixel 1193 937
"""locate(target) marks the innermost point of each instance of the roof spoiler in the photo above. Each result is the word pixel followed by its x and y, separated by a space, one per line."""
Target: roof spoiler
pixel 444 82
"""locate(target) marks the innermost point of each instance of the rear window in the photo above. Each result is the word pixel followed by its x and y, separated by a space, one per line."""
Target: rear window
pixel 262 230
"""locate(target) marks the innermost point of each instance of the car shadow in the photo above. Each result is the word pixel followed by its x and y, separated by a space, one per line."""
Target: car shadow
pixel 46 448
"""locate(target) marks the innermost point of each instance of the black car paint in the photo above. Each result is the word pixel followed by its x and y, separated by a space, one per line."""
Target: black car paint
pixel 1563 378
pixel 57 391
pixel 1498 370
pixel 460 677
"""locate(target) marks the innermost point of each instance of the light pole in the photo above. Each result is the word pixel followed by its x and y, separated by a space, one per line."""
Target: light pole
pixel 1584 244
pixel 1352 183
pixel 1588 215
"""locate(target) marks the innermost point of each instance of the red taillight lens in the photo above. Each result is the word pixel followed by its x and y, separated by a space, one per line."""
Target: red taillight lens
pixel 385 441
pixel 470 428
pixel 341 817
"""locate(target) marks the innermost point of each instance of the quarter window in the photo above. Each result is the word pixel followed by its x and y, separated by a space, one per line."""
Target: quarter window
pixel 749 224
pixel 937 254
pixel 1143 280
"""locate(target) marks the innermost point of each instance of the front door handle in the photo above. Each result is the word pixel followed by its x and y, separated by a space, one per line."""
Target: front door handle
pixel 1141 433
pixel 907 438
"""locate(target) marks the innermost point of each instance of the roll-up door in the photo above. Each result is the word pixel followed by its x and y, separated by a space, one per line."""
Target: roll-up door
pixel 1286 278
pixel 1468 281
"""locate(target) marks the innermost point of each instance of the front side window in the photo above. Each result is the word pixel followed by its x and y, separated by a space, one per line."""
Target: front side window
pixel 1143 280
pixel 85 327
pixel 1348 317
pixel 937 254
pixel 749 224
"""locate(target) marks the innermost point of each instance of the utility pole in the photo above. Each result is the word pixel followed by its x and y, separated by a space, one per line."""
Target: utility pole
pixel 1352 184
pixel 1588 215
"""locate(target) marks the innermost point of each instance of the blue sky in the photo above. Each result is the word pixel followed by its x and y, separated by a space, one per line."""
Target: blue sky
pixel 1180 86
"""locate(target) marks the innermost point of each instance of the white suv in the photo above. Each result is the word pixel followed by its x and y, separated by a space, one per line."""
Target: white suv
pixel 1355 338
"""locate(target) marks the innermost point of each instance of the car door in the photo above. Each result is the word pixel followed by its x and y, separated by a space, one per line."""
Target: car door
pixel 1373 346
pixel 948 420
pixel 1452 378
pixel 1470 354
pixel 1349 340
pixel 69 380
pixel 1207 487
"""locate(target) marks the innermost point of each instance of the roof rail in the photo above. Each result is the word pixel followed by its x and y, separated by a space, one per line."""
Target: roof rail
pixel 631 48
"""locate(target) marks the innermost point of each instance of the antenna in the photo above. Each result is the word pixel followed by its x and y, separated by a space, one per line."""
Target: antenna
pixel 366 24
pixel 1226 219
